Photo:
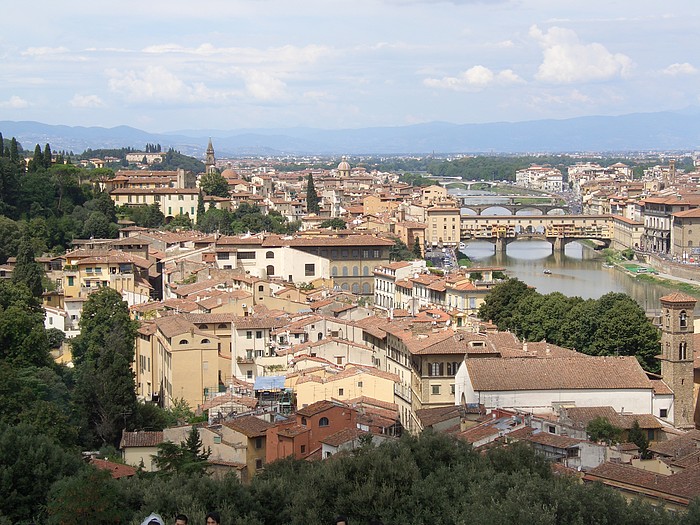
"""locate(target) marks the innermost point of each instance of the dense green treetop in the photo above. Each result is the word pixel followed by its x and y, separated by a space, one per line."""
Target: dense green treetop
pixel 612 325
pixel 214 183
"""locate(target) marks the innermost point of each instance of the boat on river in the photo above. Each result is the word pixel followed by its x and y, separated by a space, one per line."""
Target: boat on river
pixel 547 271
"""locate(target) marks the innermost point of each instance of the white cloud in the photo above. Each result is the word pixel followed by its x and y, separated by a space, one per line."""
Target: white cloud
pixel 474 79
pixel 289 55
pixel 157 84
pixel 43 51
pixel 86 101
pixel 680 69
pixel 264 86
pixel 14 102
pixel 568 60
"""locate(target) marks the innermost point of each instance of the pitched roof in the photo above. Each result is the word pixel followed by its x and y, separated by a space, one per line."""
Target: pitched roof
pixel 564 373
pixel 117 470
pixel 343 436
pixel 581 416
pixel 319 407
pixel 249 426
pixel 140 438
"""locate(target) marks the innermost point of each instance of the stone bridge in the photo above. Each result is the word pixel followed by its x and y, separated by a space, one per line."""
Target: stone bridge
pixel 559 230
pixel 514 208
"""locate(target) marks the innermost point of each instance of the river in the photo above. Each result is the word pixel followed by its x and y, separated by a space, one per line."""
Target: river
pixel 577 272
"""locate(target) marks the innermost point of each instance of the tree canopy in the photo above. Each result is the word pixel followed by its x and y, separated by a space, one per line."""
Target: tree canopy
pixel 612 325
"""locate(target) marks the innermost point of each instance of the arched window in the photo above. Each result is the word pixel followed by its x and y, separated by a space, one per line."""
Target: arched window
pixel 204 327
pixel 222 325
pixel 355 271
pixel 344 287
pixel 323 422
pixel 303 421
pixel 320 336
pixel 205 341
pixel 365 289
pixel 334 271
pixel 270 270
pixel 355 288
pixel 682 351
pixel 683 317
pixel 668 318
pixel 269 255
pixel 345 271
pixel 184 342
pixel 365 270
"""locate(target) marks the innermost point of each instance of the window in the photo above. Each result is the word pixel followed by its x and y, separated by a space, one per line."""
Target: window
pixel 339 360
pixel 184 341
pixel 245 255
pixel 452 389
pixel 249 334
pixel 205 341
pixel 303 421
pixel 258 463
pixel 181 197
pixel 217 440
pixel 323 422
pixel 663 413
pixel 359 384
pixel 309 269
pixel 249 374
pixel 258 334
pixel 269 255
pixel 683 317
pixel 223 256
pixel 341 391
pixel 303 449
pixel 435 390
pixel 435 369
pixel 71 280
pixel 258 442
pixel 551 429
pixel 682 351
pixel 261 288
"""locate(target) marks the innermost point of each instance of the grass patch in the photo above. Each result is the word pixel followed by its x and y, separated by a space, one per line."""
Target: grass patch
pixel 673 285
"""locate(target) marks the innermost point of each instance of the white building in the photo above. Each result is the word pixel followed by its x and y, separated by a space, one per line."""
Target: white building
pixel 541 385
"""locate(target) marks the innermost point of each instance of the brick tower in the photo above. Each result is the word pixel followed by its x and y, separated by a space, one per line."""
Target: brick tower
pixel 677 355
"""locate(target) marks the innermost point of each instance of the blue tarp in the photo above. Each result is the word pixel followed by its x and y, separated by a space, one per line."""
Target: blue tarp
pixel 269 383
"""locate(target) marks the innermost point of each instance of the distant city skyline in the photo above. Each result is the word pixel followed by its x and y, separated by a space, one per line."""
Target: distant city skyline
pixel 166 66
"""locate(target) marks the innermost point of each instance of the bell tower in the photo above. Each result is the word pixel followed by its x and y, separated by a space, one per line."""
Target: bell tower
pixel 210 162
pixel 677 355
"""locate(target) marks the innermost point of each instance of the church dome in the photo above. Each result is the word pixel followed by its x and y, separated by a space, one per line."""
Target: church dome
pixel 344 165
pixel 228 173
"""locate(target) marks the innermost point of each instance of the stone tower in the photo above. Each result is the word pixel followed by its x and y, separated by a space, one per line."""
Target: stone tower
pixel 677 355
pixel 210 162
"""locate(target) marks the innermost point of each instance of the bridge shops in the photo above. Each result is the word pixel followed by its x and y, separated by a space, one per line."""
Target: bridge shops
pixel 556 229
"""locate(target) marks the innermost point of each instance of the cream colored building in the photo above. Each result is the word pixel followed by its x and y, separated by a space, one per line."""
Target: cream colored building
pixel 351 383
pixel 443 225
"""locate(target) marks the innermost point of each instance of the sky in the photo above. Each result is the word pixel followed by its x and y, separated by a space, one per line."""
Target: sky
pixel 243 64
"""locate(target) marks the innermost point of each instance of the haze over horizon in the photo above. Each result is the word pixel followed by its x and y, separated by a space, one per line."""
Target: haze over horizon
pixel 168 66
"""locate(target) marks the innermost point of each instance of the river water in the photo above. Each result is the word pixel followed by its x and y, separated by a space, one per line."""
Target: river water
pixel 577 272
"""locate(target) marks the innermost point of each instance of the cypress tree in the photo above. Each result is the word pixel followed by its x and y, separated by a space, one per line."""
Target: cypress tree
pixel 47 156
pixel 2 146
pixel 201 210
pixel 27 270
pixel 37 160
pixel 312 200
pixel 416 249
pixel 14 150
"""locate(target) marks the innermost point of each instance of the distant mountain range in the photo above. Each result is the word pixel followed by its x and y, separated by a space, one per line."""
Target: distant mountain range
pixel 633 132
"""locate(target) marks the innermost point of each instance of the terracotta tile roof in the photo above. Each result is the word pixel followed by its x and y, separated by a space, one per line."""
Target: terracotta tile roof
pixel 140 438
pixel 678 297
pixel 260 321
pixel 343 436
pixel 581 416
pixel 479 432
pixel 293 430
pixel 319 407
pixel 173 325
pixel 182 305
pixel 431 416
pixel 118 470
pixel 183 290
pixel 233 399
pixel 249 426
pixel 679 446
pixel 684 485
pixel 660 387
pixel 565 373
